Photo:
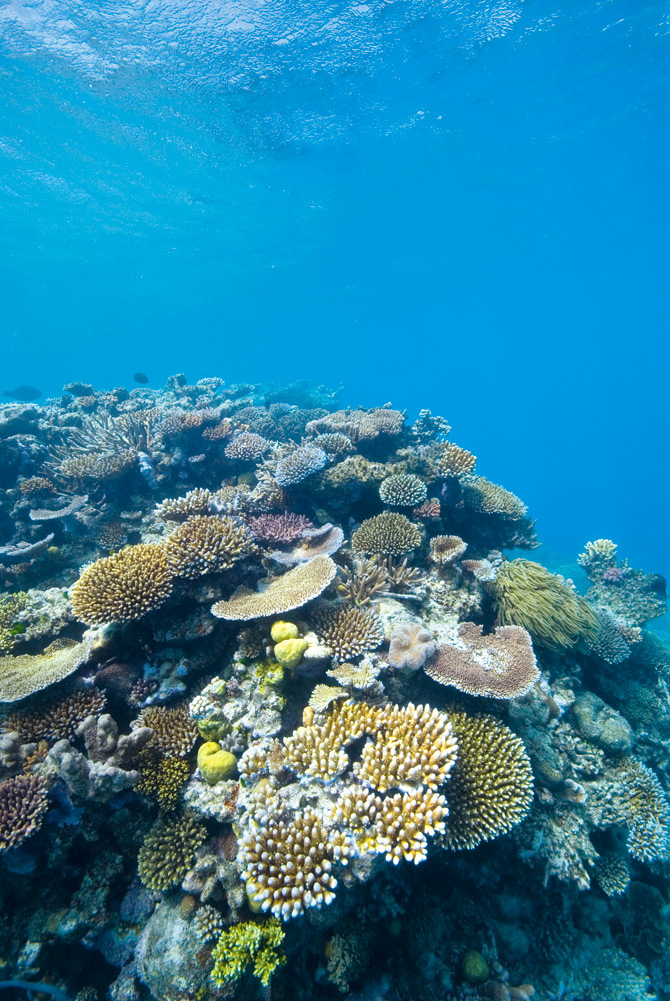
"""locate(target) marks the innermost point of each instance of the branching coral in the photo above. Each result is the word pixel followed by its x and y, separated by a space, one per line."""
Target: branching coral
pixel 299 464
pixel 162 778
pixel 168 850
pixel 456 461
pixel 291 590
pixel 206 544
pixel 123 586
pixel 10 606
pixel 318 750
pixel 288 866
pixel 57 718
pixel 196 501
pixel 647 811
pixel 491 787
pixel 348 630
pixel 490 498
pixel 499 665
pixel 404 490
pixel 528 595
pixel 248 944
pixel 246 445
pixel 612 873
pixel 597 557
pixel 279 528
pixel 175 733
pixel 389 534
pixel 23 803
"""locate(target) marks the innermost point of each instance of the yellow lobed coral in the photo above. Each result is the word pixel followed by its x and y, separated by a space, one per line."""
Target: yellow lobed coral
pixel 206 544
pixel 349 630
pixel 22 676
pixel 248 944
pixel 528 595
pixel 168 851
pixel 491 786
pixel 390 534
pixel 291 590
pixel 500 665
pixel 288 866
pixel 123 586
pixel 412 746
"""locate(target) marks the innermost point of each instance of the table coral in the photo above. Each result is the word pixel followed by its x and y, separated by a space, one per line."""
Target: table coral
pixel 499 665
pixel 291 590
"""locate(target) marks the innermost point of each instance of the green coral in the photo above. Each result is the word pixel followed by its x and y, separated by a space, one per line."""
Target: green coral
pixel 245 944
pixel 10 606
pixel 528 595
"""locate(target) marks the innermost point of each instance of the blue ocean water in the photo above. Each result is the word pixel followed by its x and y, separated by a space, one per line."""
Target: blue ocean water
pixel 460 206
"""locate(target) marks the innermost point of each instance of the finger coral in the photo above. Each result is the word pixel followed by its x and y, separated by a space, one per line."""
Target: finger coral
pixel 206 544
pixel 405 490
pixel 491 787
pixel 123 586
pixel 500 665
pixel 390 534
pixel 23 803
pixel 349 630
pixel 528 595
pixel 288 867
pixel 291 590
pixel 168 851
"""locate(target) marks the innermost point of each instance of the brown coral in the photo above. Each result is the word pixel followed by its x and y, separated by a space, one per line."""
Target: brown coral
pixel 23 803
pixel 446 549
pixel 180 508
pixel 348 630
pixel 56 719
pixel 456 461
pixel 123 586
pixel 168 851
pixel 389 534
pixel 291 590
pixel 175 733
pixel 162 778
pixel 500 665
pixel 207 544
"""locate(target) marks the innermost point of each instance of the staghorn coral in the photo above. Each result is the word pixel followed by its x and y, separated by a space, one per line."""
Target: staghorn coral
pixel 279 528
pixel 456 461
pixel 175 733
pixel 246 445
pixel 248 944
pixel 404 490
pixel 528 595
pixel 292 590
pixel 360 583
pixel 412 746
pixel 491 787
pixel 28 673
pixel 23 804
pixel 489 498
pixel 410 647
pixel 168 851
pixel 646 811
pixel 288 866
pixel 389 534
pixel 180 508
pixel 206 544
pixel 123 586
pixel 348 630
pixel 446 549
pixel 318 749
pixel 162 778
pixel 597 557
pixel 499 665
pixel 35 485
pixel 427 427
pixel 56 719
pixel 80 469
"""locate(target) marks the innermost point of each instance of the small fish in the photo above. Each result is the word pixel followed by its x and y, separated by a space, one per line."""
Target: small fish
pixel 141 377
pixel 24 393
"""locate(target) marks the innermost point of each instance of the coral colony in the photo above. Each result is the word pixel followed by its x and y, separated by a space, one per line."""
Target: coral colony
pixel 284 716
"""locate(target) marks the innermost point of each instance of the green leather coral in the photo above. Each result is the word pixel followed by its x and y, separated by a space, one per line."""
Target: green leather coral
pixel 528 595
pixel 247 944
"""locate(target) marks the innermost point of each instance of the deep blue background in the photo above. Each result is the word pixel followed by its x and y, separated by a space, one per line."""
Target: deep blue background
pixel 457 207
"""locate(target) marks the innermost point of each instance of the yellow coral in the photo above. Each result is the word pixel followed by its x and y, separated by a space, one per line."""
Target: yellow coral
pixel 289 652
pixel 214 763
pixel 245 944
pixel 283 631
pixel 123 586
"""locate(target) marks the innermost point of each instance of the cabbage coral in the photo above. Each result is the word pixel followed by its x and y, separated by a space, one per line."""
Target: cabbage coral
pixel 528 595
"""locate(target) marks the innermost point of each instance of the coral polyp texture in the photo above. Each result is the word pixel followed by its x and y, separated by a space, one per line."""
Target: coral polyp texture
pixel 123 586
pixel 388 534
pixel 492 786
pixel 270 673
pixel 205 544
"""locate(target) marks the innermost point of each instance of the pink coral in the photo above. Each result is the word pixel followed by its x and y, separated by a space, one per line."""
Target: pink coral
pixel 613 575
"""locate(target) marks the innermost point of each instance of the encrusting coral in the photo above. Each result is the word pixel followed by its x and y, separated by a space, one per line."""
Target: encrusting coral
pixel 123 586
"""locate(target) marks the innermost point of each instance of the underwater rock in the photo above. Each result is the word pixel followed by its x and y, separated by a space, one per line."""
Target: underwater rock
pixel 601 725
pixel 169 955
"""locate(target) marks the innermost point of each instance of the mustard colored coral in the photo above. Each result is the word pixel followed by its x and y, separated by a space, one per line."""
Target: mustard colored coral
pixel 214 763
pixel 123 586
